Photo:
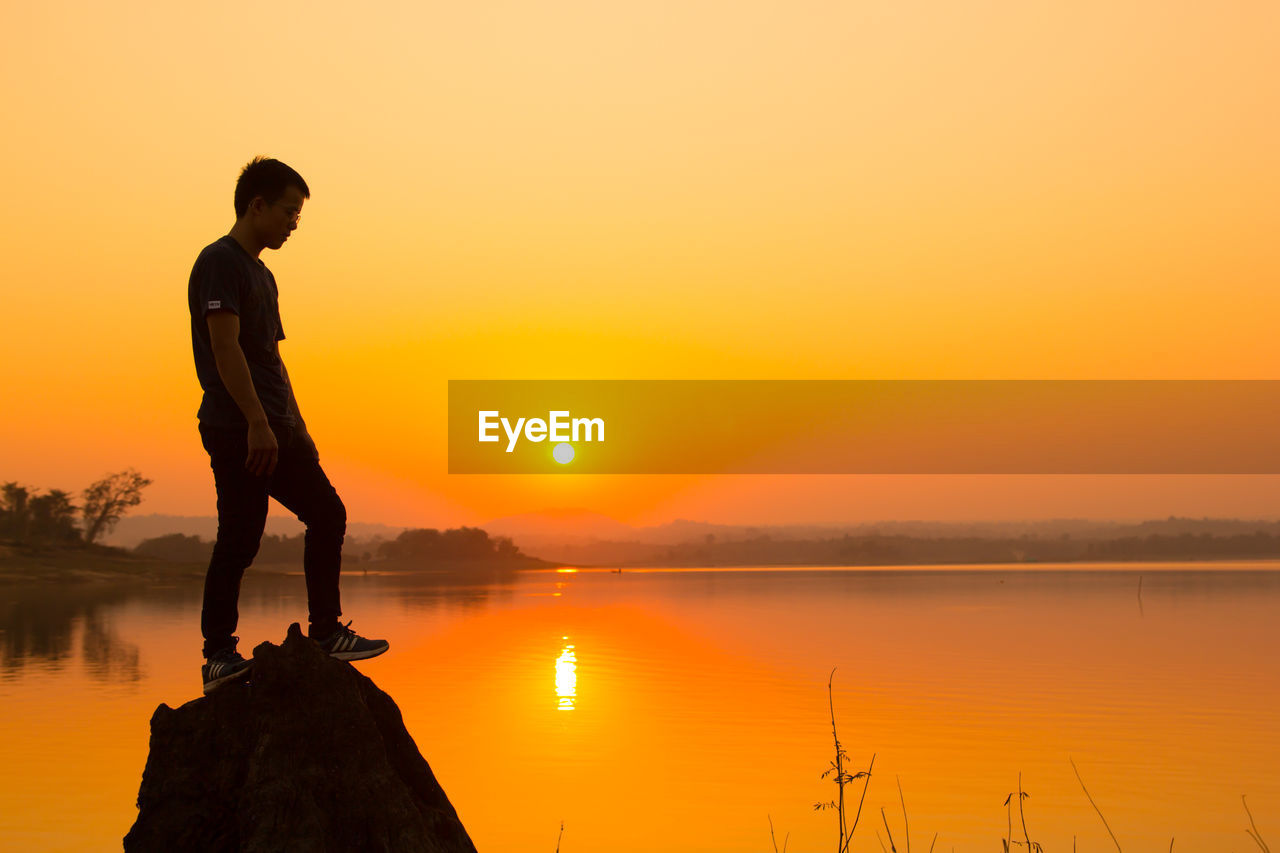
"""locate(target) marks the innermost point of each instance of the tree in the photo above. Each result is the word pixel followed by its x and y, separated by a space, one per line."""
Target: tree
pixel 53 517
pixel 106 501
pixel 16 516
pixel 505 547
pixel 462 543
pixel 177 547
pixel 28 518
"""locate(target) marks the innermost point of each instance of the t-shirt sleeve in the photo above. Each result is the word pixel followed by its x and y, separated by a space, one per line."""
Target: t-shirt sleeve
pixel 218 282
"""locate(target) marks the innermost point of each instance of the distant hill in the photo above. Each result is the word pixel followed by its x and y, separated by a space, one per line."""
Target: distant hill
pixel 559 525
pixel 581 537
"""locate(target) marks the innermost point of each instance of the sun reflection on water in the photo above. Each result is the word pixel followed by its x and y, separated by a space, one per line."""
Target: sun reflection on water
pixel 567 676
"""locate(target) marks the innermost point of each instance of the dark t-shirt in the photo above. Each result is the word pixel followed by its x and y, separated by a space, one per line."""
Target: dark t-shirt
pixel 227 278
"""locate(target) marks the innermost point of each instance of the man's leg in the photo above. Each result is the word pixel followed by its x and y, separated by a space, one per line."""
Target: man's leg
pixel 242 514
pixel 300 484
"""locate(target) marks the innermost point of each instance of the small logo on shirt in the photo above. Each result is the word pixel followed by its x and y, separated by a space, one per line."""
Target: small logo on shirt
pixel 215 303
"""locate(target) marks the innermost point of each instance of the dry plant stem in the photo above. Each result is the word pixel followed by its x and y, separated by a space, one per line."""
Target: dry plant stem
pixel 846 835
pixel 1023 816
pixel 1255 835
pixel 1171 844
pixel 1008 834
pixel 843 842
pixel 881 840
pixel 774 838
pixel 863 798
pixel 558 837
pixel 906 830
pixel 931 843
pixel 1095 805
pixel 887 831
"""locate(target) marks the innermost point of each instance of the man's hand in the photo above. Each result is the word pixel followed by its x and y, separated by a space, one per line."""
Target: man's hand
pixel 264 450
pixel 224 334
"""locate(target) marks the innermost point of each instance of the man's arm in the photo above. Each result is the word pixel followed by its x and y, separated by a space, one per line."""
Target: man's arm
pixel 301 429
pixel 224 338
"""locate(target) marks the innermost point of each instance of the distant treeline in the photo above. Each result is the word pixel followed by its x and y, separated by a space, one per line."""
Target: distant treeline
pixel 181 548
pixel 423 547
pixel 32 520
pixel 878 550
pixel 462 543
pixel 420 546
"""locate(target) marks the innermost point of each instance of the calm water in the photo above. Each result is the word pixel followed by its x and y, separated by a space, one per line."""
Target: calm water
pixel 682 709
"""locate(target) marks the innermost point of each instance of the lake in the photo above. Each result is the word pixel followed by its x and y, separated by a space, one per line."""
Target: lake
pixel 683 709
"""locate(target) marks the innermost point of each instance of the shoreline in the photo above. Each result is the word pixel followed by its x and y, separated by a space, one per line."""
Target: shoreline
pixel 106 565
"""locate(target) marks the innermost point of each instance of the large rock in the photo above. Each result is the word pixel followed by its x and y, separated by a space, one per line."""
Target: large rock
pixel 309 756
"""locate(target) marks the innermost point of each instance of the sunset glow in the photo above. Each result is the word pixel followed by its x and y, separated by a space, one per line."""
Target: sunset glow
pixel 624 190
pixel 575 190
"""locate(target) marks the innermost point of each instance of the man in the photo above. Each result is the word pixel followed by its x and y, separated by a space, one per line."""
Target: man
pixel 250 425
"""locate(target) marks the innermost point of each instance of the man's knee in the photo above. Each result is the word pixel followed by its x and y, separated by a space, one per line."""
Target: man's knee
pixel 339 516
pixel 329 520
pixel 234 552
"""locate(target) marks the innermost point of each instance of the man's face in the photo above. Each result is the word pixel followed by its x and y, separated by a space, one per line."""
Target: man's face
pixel 276 221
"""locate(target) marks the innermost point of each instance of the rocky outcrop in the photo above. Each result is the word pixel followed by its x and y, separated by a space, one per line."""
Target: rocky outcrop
pixel 307 756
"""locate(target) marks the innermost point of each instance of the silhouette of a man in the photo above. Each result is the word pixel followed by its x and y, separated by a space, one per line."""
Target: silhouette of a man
pixel 250 425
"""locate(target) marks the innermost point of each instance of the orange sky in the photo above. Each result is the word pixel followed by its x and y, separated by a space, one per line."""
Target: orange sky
pixel 636 190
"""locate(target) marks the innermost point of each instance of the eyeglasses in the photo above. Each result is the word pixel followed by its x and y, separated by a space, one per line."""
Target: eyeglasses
pixel 294 213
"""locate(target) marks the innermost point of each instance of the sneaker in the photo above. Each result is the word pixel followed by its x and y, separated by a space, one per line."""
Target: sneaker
pixel 226 665
pixel 345 644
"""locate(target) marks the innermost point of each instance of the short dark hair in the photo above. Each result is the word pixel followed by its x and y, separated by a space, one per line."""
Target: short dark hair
pixel 268 178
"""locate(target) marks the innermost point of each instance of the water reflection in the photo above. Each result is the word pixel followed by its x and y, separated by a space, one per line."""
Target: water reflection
pixel 567 676
pixel 49 624
pixel 105 656
pixel 39 625
pixel 469 589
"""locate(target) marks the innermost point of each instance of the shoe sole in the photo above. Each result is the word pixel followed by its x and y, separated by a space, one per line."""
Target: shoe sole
pixel 365 655
pixel 210 686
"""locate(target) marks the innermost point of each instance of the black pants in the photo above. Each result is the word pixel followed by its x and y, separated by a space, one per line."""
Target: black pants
pixel 301 486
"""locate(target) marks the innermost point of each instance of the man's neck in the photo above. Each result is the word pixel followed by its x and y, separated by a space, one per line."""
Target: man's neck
pixel 246 240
